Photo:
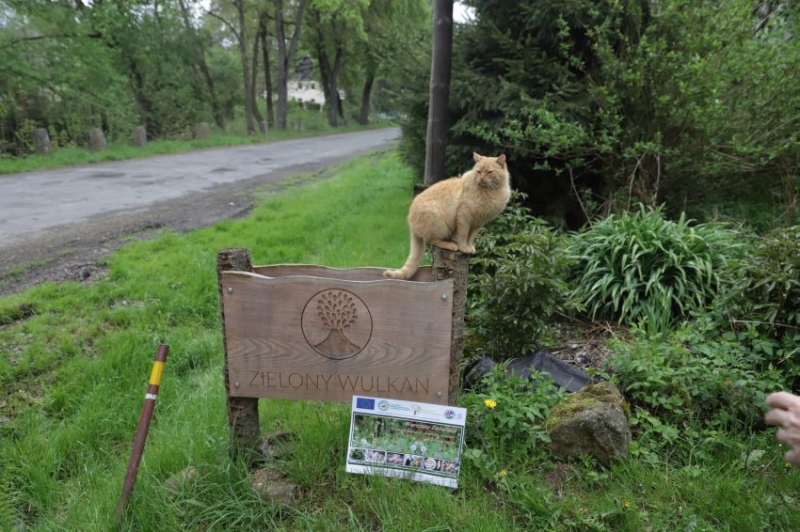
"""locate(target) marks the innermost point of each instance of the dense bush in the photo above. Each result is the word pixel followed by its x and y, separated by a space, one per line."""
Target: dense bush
pixel 770 283
pixel 603 104
pixel 685 384
pixel 641 268
pixel 516 284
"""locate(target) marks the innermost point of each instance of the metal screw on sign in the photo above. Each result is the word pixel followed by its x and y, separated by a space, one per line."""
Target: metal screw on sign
pixel 230 290
pixel 144 424
pixel 444 297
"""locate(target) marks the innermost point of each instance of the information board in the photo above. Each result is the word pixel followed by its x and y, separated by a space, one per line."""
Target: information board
pixel 395 438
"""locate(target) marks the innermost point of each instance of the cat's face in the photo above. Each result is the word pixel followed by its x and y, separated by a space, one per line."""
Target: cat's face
pixel 490 172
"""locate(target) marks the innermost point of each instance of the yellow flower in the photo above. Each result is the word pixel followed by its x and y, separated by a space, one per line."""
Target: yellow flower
pixel 490 403
pixel 503 473
pixel 627 504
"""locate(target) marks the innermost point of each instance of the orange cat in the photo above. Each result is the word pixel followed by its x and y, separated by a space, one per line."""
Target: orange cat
pixel 449 213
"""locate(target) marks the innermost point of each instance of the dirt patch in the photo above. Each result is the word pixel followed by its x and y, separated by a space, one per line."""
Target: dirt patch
pixel 76 252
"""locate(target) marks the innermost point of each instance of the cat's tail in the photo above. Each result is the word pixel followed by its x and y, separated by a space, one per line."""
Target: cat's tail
pixel 412 263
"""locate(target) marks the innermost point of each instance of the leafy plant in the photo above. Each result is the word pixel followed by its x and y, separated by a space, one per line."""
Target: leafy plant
pixel 686 383
pixel 770 282
pixel 516 284
pixel 506 426
pixel 643 268
pixel 626 102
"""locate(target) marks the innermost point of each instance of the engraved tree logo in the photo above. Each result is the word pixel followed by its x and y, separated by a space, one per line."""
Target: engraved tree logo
pixel 337 311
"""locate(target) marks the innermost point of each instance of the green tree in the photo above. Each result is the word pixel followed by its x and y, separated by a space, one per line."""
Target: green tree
pixel 394 30
pixel 603 104
pixel 199 46
pixel 336 26
pixel 286 54
pixel 73 66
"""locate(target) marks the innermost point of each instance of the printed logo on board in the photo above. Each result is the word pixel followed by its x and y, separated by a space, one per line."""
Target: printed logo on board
pixel 337 324
pixel 383 405
pixel 365 403
pixel 449 413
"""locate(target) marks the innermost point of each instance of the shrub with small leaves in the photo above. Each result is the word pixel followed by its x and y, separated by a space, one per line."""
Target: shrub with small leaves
pixel 516 284
pixel 687 382
pixel 770 283
pixel 640 268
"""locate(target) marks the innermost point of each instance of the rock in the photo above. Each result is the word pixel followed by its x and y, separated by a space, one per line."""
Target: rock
pixel 97 140
pixel 591 421
pixel 188 475
pixel 278 445
pixel 139 137
pixel 202 130
pixel 272 485
pixel 41 141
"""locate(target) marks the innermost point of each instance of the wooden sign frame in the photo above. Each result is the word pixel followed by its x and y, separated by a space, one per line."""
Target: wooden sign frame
pixel 318 333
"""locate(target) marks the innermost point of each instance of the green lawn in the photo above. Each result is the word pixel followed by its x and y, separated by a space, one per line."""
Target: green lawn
pixel 74 361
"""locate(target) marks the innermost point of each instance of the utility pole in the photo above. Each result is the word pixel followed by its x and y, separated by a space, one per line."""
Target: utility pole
pixel 436 141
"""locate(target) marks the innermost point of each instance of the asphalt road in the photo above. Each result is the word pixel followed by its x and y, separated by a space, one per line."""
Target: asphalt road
pixel 56 224
pixel 33 202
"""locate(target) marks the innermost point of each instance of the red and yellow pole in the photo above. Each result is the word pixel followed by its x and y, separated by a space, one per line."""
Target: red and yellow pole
pixel 144 425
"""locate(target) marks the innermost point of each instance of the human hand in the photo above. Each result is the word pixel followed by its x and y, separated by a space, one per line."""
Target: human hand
pixel 785 412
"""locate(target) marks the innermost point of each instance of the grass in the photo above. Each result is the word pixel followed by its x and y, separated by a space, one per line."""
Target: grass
pixel 74 360
pixel 314 124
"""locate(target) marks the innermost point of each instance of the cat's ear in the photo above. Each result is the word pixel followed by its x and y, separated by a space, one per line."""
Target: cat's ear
pixel 477 156
pixel 501 159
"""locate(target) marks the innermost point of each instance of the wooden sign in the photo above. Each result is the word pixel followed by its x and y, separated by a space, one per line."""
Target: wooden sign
pixel 310 332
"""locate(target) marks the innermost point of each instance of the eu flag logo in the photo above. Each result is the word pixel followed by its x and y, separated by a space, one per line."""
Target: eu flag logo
pixel 365 403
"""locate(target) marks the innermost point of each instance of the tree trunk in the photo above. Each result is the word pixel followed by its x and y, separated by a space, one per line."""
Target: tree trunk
pixel 144 103
pixel 248 102
pixel 439 90
pixel 329 74
pixel 363 118
pixel 285 56
pixel 262 28
pixel 252 93
pixel 216 108
pixel 283 76
pixel 202 66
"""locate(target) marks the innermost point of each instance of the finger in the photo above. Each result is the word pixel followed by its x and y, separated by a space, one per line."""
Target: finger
pixel 776 417
pixel 793 457
pixel 782 400
pixel 789 437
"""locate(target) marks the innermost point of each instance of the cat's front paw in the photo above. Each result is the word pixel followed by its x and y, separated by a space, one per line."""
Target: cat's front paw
pixel 468 249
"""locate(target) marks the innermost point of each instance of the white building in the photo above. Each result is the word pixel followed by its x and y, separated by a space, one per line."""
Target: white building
pixel 304 89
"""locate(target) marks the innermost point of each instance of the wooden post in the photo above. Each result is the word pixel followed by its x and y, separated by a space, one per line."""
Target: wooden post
pixel 153 384
pixel 436 140
pixel 454 265
pixel 242 411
